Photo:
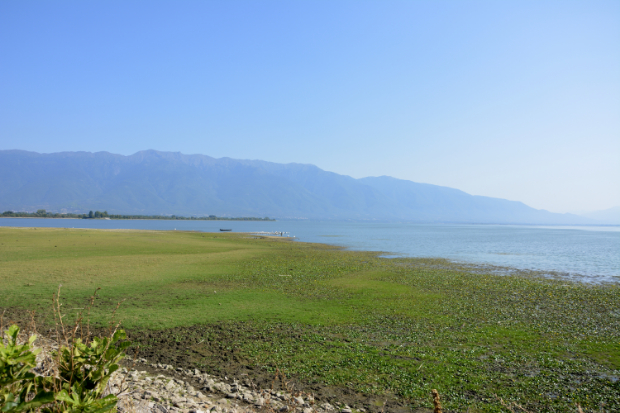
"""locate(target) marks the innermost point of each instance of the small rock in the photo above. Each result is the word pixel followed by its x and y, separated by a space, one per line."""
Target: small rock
pixel 259 402
pixel 346 410
pixel 300 401
pixel 178 402
pixel 159 408
pixel 231 396
pixel 307 410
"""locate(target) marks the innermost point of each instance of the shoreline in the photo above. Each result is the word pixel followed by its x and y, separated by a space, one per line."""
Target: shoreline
pixel 501 224
pixel 475 266
pixel 148 219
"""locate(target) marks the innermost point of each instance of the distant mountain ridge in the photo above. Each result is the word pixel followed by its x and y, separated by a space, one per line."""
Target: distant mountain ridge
pixel 608 216
pixel 153 182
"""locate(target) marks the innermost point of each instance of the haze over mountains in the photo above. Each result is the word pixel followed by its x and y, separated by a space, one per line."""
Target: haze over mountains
pixel 610 215
pixel 152 182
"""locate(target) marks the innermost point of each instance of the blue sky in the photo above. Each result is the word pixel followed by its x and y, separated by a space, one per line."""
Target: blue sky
pixel 512 99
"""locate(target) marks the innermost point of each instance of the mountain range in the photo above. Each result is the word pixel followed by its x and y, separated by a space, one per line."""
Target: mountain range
pixel 608 216
pixel 162 183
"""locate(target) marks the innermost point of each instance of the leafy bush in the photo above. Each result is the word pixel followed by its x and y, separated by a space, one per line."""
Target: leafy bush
pixel 18 383
pixel 82 371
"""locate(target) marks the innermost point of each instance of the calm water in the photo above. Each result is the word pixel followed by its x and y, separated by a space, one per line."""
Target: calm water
pixel 591 254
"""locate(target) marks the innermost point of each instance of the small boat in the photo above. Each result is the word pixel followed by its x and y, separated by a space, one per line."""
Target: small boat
pixel 222 229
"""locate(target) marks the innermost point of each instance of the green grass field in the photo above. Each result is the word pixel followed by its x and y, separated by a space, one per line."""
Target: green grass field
pixel 378 326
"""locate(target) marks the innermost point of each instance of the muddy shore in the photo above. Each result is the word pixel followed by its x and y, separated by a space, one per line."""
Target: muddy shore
pixel 159 352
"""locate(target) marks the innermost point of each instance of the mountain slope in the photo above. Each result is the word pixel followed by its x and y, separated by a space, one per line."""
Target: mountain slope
pixel 608 216
pixel 152 182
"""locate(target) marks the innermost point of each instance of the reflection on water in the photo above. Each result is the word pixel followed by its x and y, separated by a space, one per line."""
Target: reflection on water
pixel 589 253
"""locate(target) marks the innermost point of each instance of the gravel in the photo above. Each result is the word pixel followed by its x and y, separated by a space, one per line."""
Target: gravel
pixel 142 392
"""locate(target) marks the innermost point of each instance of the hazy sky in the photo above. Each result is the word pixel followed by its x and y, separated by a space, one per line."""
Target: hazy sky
pixel 511 99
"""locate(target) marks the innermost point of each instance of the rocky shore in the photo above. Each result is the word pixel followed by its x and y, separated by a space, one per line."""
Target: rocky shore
pixel 160 388
pixel 143 387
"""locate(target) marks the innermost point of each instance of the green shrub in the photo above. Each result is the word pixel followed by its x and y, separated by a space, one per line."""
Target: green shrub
pixel 83 371
pixel 17 381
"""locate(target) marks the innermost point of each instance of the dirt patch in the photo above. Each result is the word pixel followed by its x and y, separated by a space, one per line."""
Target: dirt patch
pixel 214 349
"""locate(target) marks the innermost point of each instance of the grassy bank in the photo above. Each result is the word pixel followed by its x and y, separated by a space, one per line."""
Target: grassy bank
pixel 333 319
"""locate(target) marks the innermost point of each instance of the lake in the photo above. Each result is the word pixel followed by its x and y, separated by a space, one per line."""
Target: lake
pixel 589 254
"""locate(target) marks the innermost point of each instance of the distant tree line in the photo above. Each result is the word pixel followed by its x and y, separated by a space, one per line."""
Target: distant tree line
pixel 41 213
